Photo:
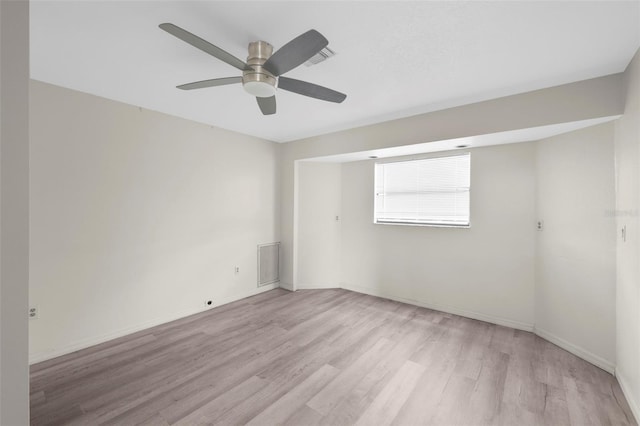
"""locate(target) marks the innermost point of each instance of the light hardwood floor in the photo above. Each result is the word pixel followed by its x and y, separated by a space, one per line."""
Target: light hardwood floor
pixel 325 357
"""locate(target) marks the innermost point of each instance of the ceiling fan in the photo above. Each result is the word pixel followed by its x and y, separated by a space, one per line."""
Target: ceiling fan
pixel 262 73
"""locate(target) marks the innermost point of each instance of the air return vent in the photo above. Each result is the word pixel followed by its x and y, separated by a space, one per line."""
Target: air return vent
pixel 268 263
pixel 321 56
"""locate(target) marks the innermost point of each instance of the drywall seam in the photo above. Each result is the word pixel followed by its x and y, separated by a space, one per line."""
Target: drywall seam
pixel 442 308
pixel 582 353
pixel 85 343
pixel 635 410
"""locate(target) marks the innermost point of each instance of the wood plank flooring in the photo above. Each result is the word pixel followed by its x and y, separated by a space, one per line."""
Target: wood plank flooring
pixel 325 357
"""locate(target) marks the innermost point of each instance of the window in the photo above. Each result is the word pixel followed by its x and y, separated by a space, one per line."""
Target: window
pixel 432 191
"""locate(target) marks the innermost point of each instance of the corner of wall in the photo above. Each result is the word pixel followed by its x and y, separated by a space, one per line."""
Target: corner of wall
pixel 627 147
pixel 578 351
pixel 626 390
pixel 575 251
pixel 286 286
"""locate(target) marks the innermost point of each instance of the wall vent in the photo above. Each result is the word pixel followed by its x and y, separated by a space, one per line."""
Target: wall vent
pixel 321 56
pixel 268 263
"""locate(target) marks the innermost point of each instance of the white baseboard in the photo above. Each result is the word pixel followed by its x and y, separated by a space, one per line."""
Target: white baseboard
pixel 576 350
pixel 626 390
pixel 95 340
pixel 315 287
pixel 570 347
pixel 442 308
pixel 286 286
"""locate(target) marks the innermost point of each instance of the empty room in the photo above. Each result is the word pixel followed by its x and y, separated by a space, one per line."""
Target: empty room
pixel 319 213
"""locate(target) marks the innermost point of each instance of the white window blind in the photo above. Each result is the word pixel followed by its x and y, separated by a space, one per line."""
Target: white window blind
pixel 432 191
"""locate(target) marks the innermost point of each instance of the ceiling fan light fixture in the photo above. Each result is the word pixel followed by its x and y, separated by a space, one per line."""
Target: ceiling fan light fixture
pixel 262 73
pixel 256 80
pixel 259 89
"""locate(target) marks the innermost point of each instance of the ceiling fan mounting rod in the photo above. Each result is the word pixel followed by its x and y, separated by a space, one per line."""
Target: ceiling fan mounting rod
pixel 258 76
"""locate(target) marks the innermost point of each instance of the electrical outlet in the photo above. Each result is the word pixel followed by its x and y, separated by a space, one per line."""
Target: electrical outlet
pixel 33 312
pixel 540 225
pixel 208 303
pixel 237 270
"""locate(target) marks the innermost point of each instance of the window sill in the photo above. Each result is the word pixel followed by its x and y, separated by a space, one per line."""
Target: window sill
pixel 431 225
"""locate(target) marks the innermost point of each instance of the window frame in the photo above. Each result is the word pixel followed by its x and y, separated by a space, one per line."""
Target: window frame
pixel 421 224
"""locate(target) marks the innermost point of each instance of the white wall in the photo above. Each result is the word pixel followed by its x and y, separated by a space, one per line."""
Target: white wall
pixel 589 99
pixel 119 215
pixel 501 268
pixel 627 147
pixel 485 271
pixel 373 269
pixel 138 217
pixel 319 198
pixel 576 257
pixel 14 212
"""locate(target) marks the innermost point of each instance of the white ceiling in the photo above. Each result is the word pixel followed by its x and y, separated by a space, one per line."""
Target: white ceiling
pixel 394 59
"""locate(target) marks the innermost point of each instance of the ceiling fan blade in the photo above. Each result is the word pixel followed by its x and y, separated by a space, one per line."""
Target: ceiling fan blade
pixel 210 83
pixel 296 52
pixel 204 45
pixel 310 89
pixel 267 105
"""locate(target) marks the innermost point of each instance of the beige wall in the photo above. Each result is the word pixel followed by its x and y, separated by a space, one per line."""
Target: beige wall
pixel 485 271
pixel 576 255
pixel 600 97
pixel 123 237
pixel 14 211
pixel 501 268
pixel 319 232
pixel 138 217
pixel 627 146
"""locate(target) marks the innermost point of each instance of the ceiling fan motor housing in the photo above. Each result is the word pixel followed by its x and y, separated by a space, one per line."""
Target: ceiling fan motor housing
pixel 258 81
